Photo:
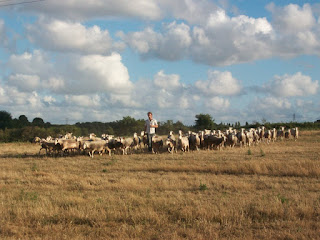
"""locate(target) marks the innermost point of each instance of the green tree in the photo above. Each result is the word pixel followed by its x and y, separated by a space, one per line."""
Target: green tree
pixel 23 121
pixel 38 122
pixel 204 121
pixel 5 120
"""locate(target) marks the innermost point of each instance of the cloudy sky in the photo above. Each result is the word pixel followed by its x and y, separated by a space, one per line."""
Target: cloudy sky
pixel 100 60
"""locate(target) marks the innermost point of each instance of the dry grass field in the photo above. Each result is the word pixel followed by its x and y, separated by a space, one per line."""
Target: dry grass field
pixel 267 192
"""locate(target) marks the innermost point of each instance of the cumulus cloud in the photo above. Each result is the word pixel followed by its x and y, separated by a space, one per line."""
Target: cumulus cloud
pixel 49 99
pixel 292 85
pixel 292 18
pixel 296 30
pixel 223 40
pixel 84 100
pixel 269 108
pixel 3 97
pixel 98 73
pixel 24 82
pixel 169 45
pixel 66 36
pixel 219 83
pixel 218 103
pixel 55 84
pixel 168 82
pixel 35 63
pixel 220 41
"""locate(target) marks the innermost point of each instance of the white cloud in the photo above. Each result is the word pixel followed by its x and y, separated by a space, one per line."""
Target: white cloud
pixel 49 99
pixel 271 103
pixel 219 83
pixel 34 101
pixel 292 85
pixel 125 100
pixel 3 97
pixel 218 103
pixel 220 41
pixel 292 18
pixel 193 11
pixel 25 83
pixel 168 82
pixel 83 100
pixel 36 63
pixel 55 84
pixel 296 30
pixel 228 40
pixel 97 73
pixel 68 36
pixel 96 9
pixel 170 45
pixel 269 108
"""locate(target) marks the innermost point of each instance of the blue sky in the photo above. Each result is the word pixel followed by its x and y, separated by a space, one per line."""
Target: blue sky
pixel 236 60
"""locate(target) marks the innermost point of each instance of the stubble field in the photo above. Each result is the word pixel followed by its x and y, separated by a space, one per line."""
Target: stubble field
pixel 268 192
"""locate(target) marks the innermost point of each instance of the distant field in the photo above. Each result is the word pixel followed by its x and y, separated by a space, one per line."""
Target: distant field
pixel 267 192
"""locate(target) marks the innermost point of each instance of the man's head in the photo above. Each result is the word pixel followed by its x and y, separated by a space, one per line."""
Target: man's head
pixel 150 115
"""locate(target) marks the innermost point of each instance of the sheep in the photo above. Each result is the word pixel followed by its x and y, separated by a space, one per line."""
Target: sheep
pixel 171 143
pixel 242 138
pixel 183 142
pixel 157 144
pixel 231 139
pixel 96 146
pixel 36 140
pixel 213 141
pixel 295 133
pixel 144 139
pixel 114 144
pixel 127 143
pixel 256 137
pixel 136 141
pixel 267 136
pixel 274 135
pixel 67 144
pixel 194 141
pixel 287 134
pixel 281 133
pixel 249 137
pixel 49 146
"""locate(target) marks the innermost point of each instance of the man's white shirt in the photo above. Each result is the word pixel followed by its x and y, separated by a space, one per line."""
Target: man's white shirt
pixel 151 130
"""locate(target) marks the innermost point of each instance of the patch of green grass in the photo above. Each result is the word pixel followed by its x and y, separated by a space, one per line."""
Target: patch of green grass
pixel 283 199
pixel 28 196
pixel 34 167
pixel 203 187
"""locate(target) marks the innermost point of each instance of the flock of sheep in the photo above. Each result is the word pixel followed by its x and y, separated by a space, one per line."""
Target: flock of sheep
pixel 207 139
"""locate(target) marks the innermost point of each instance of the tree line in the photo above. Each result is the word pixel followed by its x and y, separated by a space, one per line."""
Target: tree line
pixel 21 129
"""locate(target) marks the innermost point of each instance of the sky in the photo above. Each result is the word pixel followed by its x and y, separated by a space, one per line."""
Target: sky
pixel 101 60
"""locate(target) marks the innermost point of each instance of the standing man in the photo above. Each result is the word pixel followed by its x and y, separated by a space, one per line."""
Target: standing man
pixel 150 128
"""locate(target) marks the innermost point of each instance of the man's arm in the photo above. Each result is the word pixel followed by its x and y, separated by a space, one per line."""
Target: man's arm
pixel 155 125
